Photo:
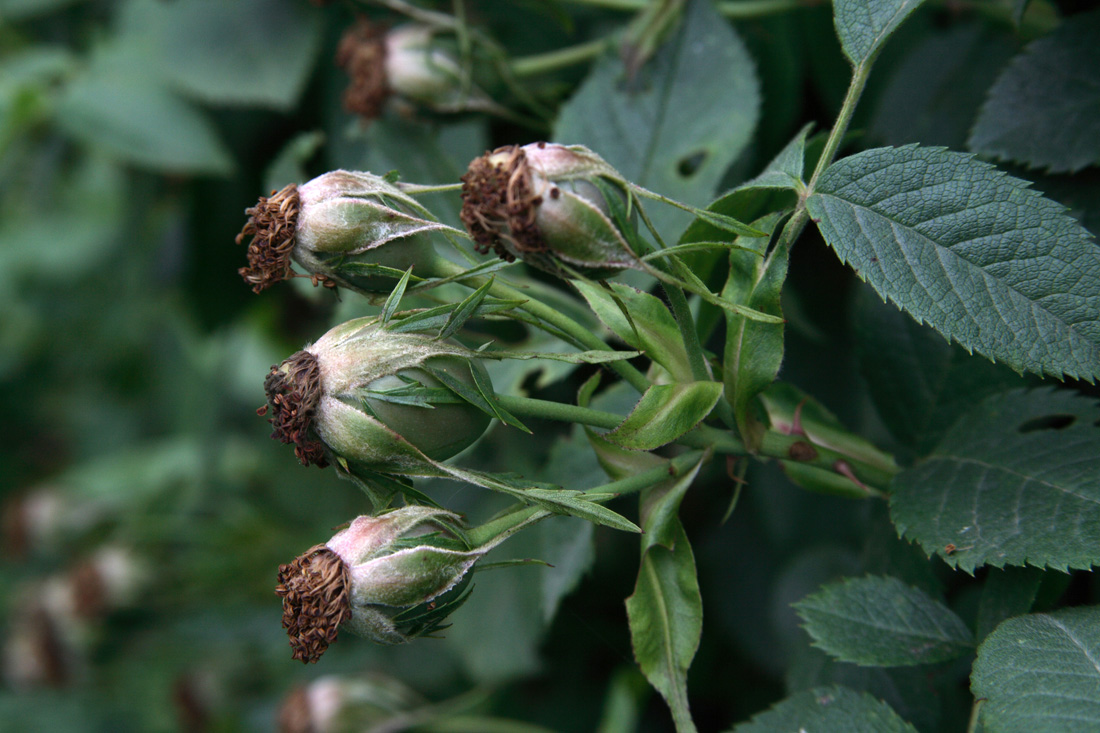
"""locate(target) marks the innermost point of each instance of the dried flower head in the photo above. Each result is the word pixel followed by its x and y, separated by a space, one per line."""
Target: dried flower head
pixel 362 54
pixel 273 226
pixel 315 589
pixel 293 391
pixel 542 204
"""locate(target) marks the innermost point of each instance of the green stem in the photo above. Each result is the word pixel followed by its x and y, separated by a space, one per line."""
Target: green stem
pixel 774 444
pixel 521 515
pixel 974 711
pixel 562 57
pixel 798 220
pixel 730 8
pixel 578 334
pixel 681 311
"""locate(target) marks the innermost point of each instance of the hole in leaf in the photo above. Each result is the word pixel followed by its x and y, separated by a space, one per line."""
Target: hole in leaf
pixel 690 164
pixel 1047 422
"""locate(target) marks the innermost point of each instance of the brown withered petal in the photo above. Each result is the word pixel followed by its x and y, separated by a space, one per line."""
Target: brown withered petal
pixel 294 714
pixel 362 54
pixel 314 589
pixel 293 395
pixel 272 225
pixel 499 204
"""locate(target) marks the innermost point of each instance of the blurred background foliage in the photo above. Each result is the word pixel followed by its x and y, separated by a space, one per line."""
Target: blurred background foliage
pixel 133 134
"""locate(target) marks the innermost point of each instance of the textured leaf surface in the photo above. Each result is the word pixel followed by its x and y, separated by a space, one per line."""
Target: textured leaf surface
pixel 1041 673
pixel 882 622
pixel 680 122
pixel 664 413
pixel 1007 592
pixel 1044 110
pixel 828 710
pixel 975 253
pixel 919 382
pixel 1015 481
pixel 863 25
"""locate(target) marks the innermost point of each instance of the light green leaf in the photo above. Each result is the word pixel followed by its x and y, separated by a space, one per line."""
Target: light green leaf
pixel 246 52
pixel 1044 110
pixel 785 169
pixel 665 613
pixel 882 622
pixel 828 710
pixel 664 413
pixel 1041 673
pixel 1015 481
pixel 753 350
pixel 864 25
pixel 972 251
pixel 677 126
pixel 650 327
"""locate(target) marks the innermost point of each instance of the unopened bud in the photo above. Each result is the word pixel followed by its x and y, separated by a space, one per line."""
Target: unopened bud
pixel 346 228
pixel 540 203
pixel 388 578
pixel 369 397
pixel 409 62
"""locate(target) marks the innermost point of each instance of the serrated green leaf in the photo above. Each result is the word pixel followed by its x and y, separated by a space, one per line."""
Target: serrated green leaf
pixel 983 259
pixel 828 710
pixel 1041 673
pixel 785 169
pixel 1044 110
pixel 680 122
pixel 864 25
pixel 664 413
pixel 247 52
pixel 753 350
pixel 919 382
pixel 656 334
pixel 665 614
pixel 1015 481
pixel 882 622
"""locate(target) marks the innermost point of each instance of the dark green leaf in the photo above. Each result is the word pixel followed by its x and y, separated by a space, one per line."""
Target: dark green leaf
pixel 975 253
pixel 680 122
pixel 1015 481
pixel 785 169
pixel 882 622
pixel 828 710
pixel 664 413
pixel 1044 110
pixel 435 318
pixel 1007 592
pixel 289 166
pixel 919 382
pixel 247 52
pixel 864 25
pixel 1041 673
pixel 117 107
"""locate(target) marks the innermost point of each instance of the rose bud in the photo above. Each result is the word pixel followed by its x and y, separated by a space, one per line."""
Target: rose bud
pixel 539 202
pixel 410 63
pixel 376 398
pixel 335 704
pixel 344 228
pixel 388 578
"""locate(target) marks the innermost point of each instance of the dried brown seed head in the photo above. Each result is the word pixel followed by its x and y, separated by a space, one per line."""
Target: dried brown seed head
pixel 293 392
pixel 362 54
pixel 499 204
pixel 272 225
pixel 314 588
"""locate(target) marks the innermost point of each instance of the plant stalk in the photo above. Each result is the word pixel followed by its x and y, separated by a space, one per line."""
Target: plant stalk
pixel 560 58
